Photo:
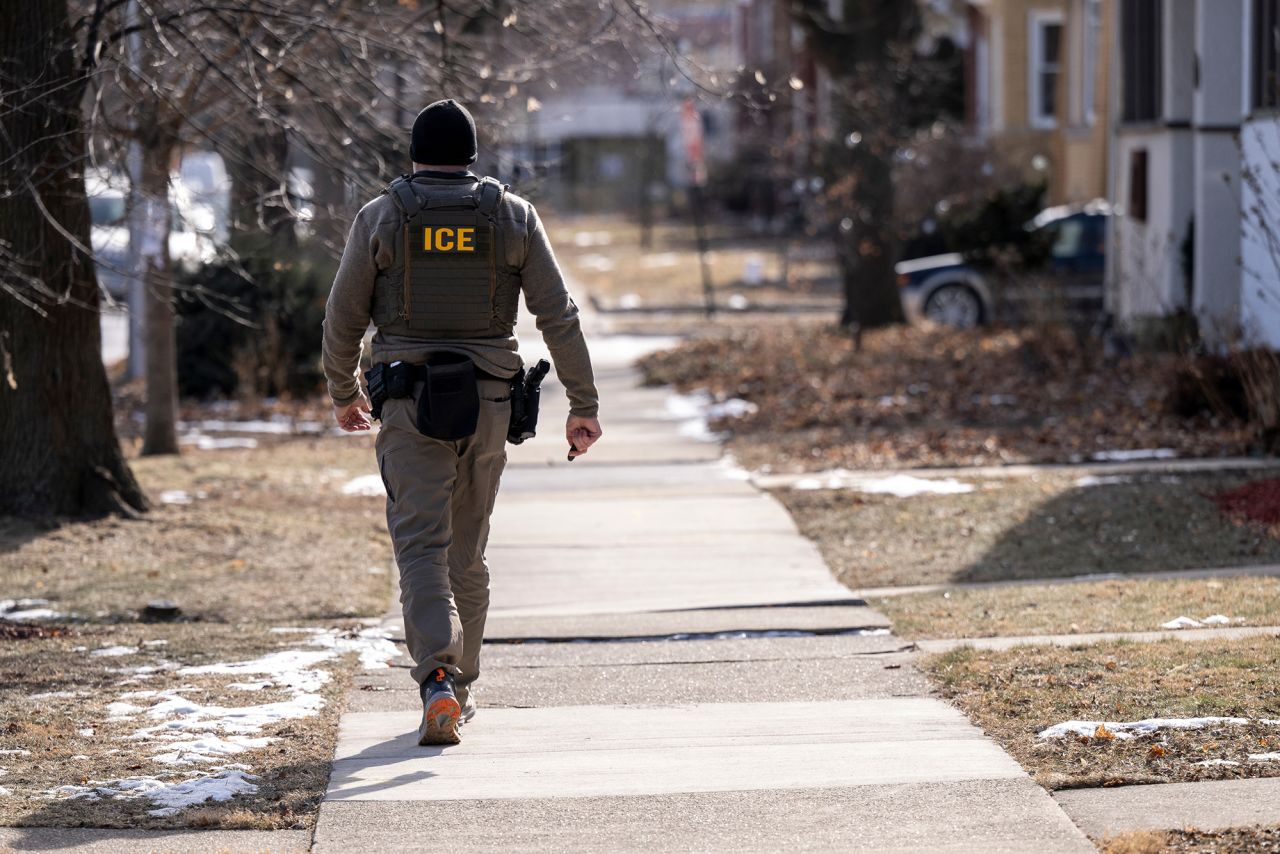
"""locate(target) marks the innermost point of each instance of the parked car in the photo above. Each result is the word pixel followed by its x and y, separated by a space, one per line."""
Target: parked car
pixel 191 233
pixel 947 289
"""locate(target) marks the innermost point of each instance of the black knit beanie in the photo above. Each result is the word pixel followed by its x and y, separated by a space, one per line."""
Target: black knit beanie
pixel 444 134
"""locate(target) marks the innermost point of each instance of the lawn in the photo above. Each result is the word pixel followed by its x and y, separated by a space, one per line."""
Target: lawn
pixel 1129 605
pixel 1255 839
pixel 1017 694
pixel 1043 526
pixel 110 718
pixel 604 257
pixel 914 397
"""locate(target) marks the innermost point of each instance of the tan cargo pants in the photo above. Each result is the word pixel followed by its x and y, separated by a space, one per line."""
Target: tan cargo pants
pixel 439 497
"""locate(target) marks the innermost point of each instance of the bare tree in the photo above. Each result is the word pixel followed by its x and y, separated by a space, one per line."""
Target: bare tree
pixel 250 78
pixel 58 449
pixel 883 90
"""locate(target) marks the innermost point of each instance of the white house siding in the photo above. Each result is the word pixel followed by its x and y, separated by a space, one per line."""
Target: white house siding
pixel 1148 262
pixel 1260 249
pixel 1218 107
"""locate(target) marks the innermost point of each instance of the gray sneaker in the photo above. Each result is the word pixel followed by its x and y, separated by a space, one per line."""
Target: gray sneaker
pixel 440 710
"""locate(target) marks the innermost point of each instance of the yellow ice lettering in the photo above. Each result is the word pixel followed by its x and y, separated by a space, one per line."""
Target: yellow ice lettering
pixel 449 239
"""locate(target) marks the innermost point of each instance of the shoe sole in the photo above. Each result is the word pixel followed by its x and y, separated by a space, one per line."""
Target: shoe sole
pixel 440 722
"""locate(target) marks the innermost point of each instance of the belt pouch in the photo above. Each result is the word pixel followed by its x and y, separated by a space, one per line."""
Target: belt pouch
pixel 449 406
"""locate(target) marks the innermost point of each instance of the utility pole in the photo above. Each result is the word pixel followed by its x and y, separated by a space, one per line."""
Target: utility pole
pixel 691 130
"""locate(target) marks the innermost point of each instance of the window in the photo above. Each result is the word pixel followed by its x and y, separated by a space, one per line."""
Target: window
pixel 1140 34
pixel 1266 53
pixel 1138 173
pixel 1045 68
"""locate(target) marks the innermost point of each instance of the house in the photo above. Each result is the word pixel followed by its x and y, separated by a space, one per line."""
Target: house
pixel 1195 181
pixel 1036 75
pixel 607 130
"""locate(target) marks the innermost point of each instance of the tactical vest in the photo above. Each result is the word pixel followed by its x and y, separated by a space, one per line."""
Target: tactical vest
pixel 453 281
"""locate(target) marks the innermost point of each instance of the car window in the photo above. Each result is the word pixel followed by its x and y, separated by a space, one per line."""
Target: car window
pixel 106 210
pixel 1069 241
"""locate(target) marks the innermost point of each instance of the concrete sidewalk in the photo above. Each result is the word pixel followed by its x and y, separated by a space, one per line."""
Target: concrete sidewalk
pixel 675 669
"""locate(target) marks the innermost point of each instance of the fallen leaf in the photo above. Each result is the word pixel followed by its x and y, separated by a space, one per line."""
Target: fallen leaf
pixel 1104 734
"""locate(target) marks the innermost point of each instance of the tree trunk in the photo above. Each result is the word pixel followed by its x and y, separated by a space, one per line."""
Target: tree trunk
pixel 59 455
pixel 161 435
pixel 867 253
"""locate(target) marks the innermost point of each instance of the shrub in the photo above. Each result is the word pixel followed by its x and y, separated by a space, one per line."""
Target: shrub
pixel 252 329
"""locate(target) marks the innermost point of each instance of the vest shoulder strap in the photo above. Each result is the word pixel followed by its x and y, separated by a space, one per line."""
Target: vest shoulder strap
pixel 490 195
pixel 401 192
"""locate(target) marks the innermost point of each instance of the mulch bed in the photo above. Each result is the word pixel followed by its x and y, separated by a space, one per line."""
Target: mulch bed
pixel 915 397
pixel 1258 501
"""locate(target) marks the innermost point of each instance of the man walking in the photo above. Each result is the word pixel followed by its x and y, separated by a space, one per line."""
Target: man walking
pixel 437 263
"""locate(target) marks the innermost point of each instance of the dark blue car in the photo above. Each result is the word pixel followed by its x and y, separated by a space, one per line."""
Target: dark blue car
pixel 946 289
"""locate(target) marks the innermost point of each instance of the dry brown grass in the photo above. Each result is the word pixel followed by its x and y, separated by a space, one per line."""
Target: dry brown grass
pixel 1257 840
pixel 1027 528
pixel 669 272
pixel 273 539
pixel 268 541
pixel 72 740
pixel 1015 694
pixel 1130 605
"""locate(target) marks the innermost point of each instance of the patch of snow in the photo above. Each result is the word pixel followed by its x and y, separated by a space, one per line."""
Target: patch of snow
pixel 596 263
pixel 373 645
pixel 155 643
pixel 279 427
pixel 4 793
pixel 210 443
pixel 291 668
pixel 251 686
pixel 289 630
pixel 737 302
pixel 1217 620
pixel 901 485
pixel 22 604
pixel 584 239
pixel 123 710
pixel 54 695
pixel 208 748
pixel 175 496
pixel 693 411
pixel 1207 763
pixel 113 651
pixel 171 797
pixel 1144 727
pixel 905 486
pixel 28 614
pixel 1139 454
pixel 368 485
pixel 86 732
pixel 661 259
pixel 1264 757
pixel 1181 623
pixel 1103 480
pixel 629 302
pixel 186 716
pixel 15 751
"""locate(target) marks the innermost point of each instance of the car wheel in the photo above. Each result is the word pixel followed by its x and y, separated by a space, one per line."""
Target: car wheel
pixel 954 305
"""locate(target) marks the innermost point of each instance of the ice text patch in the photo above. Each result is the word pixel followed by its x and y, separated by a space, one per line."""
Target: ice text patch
pixel 448 239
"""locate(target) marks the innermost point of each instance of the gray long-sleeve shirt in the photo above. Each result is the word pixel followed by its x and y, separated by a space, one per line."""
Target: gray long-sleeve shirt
pixel 374 245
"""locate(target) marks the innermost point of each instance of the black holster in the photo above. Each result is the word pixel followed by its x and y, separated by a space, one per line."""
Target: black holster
pixel 526 394
pixel 449 403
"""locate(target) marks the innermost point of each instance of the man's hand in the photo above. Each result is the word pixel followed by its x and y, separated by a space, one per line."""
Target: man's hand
pixel 353 417
pixel 582 433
